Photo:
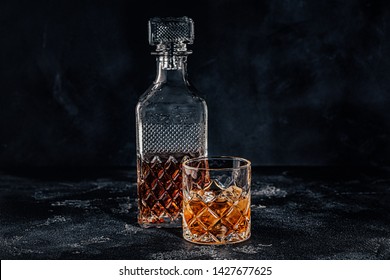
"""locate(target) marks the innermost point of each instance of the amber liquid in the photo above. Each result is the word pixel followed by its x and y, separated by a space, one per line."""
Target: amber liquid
pixel 160 194
pixel 217 217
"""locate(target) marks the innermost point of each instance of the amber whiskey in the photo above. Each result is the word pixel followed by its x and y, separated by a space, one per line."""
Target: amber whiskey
pixel 160 194
pixel 217 217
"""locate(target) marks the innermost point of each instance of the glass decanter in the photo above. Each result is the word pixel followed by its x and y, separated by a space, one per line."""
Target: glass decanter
pixel 171 122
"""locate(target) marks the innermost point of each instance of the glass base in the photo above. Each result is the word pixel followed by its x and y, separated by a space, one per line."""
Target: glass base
pixel 212 240
pixel 214 236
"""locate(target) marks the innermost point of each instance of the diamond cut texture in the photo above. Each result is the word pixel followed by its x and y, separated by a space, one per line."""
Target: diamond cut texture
pixel 172 138
pixel 159 191
pixel 230 225
pixel 171 30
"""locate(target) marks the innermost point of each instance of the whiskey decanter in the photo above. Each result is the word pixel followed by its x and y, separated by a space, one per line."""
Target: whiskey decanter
pixel 171 122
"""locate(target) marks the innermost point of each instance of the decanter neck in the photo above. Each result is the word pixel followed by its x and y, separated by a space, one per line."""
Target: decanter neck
pixel 171 68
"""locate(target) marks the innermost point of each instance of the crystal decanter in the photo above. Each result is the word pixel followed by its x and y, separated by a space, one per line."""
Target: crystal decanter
pixel 171 122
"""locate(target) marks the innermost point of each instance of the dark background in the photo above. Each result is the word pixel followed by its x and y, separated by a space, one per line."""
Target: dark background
pixel 286 82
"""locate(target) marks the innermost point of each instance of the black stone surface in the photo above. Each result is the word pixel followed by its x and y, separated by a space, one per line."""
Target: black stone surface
pixel 297 213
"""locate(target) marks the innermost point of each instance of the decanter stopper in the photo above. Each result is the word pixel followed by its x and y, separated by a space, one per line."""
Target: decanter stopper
pixel 171 35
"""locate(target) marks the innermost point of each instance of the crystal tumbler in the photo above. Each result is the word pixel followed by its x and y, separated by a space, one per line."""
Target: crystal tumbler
pixel 216 200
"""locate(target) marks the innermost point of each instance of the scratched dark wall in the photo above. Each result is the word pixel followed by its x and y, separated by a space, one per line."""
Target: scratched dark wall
pixel 286 82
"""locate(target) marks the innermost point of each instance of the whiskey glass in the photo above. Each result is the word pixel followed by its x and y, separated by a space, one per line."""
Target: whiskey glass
pixel 216 200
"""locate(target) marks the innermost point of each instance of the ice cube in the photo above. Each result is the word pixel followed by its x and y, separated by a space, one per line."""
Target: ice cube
pixel 208 196
pixel 233 192
pixel 237 191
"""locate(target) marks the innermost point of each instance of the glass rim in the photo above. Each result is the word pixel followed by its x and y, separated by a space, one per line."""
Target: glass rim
pixel 247 163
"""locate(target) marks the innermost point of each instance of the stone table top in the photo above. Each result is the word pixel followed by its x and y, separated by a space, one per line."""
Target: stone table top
pixel 297 213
